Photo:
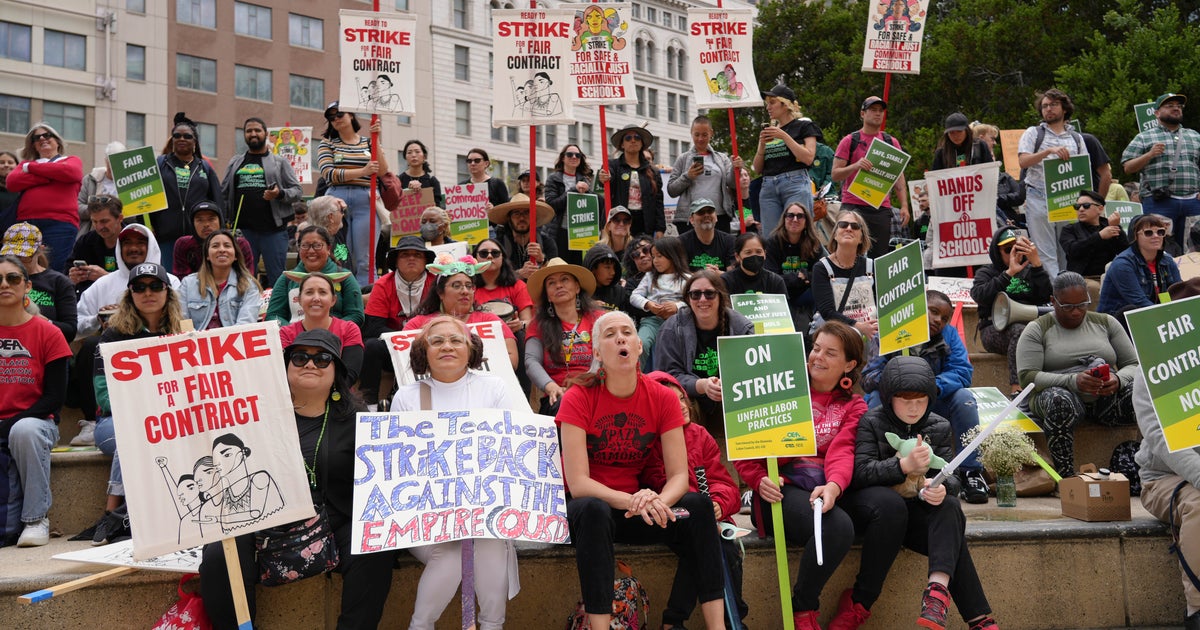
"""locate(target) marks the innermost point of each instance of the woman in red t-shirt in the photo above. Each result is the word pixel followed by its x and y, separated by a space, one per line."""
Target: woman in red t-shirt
pixel 559 343
pixel 318 293
pixel 611 421
pixel 498 283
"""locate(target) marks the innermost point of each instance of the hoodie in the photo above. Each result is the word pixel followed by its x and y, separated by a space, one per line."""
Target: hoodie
pixel 187 257
pixel 109 289
pixel 612 297
pixel 1031 285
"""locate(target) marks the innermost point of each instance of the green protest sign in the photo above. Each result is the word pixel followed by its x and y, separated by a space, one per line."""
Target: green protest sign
pixel 764 391
pixel 900 285
pixel 1168 349
pixel 990 402
pixel 769 312
pixel 1127 210
pixel 1143 113
pixel 1064 180
pixel 583 221
pixel 139 185
pixel 887 165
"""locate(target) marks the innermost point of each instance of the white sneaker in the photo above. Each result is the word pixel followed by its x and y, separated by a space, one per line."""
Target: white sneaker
pixel 87 434
pixel 35 534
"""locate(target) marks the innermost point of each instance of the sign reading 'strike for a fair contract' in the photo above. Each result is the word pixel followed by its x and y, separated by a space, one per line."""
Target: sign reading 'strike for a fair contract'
pixel 764 391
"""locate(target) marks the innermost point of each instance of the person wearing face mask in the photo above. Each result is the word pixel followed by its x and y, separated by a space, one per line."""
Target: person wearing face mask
pixel 748 275
pixel 435 226
pixel 706 247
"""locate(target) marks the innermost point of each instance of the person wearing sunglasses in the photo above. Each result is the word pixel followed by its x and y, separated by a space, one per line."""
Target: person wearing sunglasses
pixel 48 182
pixel 571 174
pixel 150 307
pixel 188 179
pixel 98 182
pixel 787 147
pixel 478 165
pixel 499 283
pixel 843 283
pixel 345 161
pixel 793 251
pixel 1167 159
pixel 634 181
pixel 1138 275
pixel 1094 240
pixel 30 406
pixel 616 230
pixel 389 305
pixel 1081 364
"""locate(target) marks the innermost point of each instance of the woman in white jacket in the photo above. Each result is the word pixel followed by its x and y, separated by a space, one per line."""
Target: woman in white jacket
pixel 223 292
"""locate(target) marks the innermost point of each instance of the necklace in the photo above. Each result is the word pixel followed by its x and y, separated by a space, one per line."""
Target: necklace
pixel 312 470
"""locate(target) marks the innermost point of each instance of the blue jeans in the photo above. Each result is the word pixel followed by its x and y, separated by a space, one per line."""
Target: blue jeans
pixel 960 408
pixel 1177 210
pixel 780 190
pixel 648 332
pixel 59 239
pixel 273 247
pixel 359 237
pixel 166 249
pixel 30 441
pixel 1043 233
pixel 106 441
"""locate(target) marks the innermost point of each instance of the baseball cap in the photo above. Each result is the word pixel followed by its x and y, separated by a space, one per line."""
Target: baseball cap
pixel 780 91
pixel 22 240
pixel 1169 96
pixel 1005 237
pixel 871 100
pixel 152 270
pixel 700 204
pixel 619 210
pixel 957 122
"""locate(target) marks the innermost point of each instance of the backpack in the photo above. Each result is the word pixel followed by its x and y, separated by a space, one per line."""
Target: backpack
pixel 856 139
pixel 630 601
pixel 1041 135
pixel 821 170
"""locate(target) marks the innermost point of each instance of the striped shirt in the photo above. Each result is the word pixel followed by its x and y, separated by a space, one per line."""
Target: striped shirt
pixel 334 157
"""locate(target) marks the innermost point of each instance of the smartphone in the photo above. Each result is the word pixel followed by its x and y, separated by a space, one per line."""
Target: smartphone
pixel 1100 371
pixel 681 513
pixel 79 263
pixel 698 159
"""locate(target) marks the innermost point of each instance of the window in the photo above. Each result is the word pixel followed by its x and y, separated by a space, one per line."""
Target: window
pixel 668 19
pixel 196 12
pixel 672 111
pixel 66 50
pixel 621 108
pixel 652 103
pixel 514 171
pixel 15 41
pixel 306 31
pixel 683 23
pixel 639 55
pixel 208 139
pixel 135 62
pixel 306 92
pixel 680 65
pixel 403 120
pixel 135 129
pixel 14 114
pixel 460 163
pixel 651 15
pixel 683 109
pixel 491 69
pixel 585 138
pixel 239 141
pixel 673 152
pixel 497 132
pixel 135 6
pixel 651 58
pixel 548 136
pixel 252 20
pixel 195 73
pixel 670 63
pixel 637 11
pixel 461 15
pixel 252 83
pixel 462 118
pixel 69 120
pixel 641 99
pixel 512 134
pixel 402 5
pixel 462 63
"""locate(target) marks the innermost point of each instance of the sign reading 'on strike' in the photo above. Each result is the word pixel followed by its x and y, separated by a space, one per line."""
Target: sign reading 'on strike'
pixel 1168 348
pixel 765 399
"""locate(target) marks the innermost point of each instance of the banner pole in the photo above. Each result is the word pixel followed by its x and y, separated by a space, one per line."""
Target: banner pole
pixel 468 584
pixel 533 187
pixel 887 88
pixel 234 566
pixel 781 559
pixel 372 238
pixel 737 179
pixel 604 162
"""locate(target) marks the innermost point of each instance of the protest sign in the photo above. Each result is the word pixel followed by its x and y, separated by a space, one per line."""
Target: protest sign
pixel 957 289
pixel 457 249
pixel 1127 210
pixel 583 221
pixel 1010 142
pixel 1064 180
pixel 1143 114
pixel 600 62
pixel 294 144
pixel 769 312
pixel 887 165
pixel 1168 350
pixel 206 427
pixel 721 45
pixel 423 477
pixel 378 62
pixel 900 285
pixel 120 554
pixel 765 400
pixel 406 217
pixel 894 31
pixel 918 196
pixel 139 184
pixel 495 353
pixel 962 205
pixel 990 402
pixel 467 206
pixel 531 67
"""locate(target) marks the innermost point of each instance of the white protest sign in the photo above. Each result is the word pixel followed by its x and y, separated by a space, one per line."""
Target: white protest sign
pixel 531 51
pixel 294 144
pixel 894 31
pixel 209 446
pixel 962 206
pixel 480 473
pixel 722 58
pixel 378 69
pixel 495 353
pixel 601 60
pixel 120 554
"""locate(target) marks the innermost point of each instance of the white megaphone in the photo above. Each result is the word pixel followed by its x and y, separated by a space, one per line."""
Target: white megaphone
pixel 1007 311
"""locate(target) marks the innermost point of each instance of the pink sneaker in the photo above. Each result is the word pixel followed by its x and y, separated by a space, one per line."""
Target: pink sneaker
pixel 806 620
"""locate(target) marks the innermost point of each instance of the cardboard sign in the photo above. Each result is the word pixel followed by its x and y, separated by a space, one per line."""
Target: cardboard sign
pixel 990 402
pixel 532 58
pixel 294 144
pixel 139 184
pixel 378 69
pixel 721 45
pixel 480 473
pixel 1064 180
pixel 1166 340
pixel 887 165
pixel 406 217
pixel 209 446
pixel 467 206
pixel 764 390
pixel 957 289
pixel 583 221
pixel 769 312
pixel 918 196
pixel 495 353
pixel 120 554
pixel 1143 113
pixel 894 31
pixel 1127 210
pixel 600 62
pixel 962 203
pixel 900 287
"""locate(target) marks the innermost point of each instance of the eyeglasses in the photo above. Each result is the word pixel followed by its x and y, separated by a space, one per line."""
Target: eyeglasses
pixel 489 253
pixel 696 294
pixel 100 199
pixel 45 135
pixel 312 247
pixel 641 252
pixel 623 220
pixel 454 341
pixel 474 160
pixel 1088 205
pixel 631 136
pixel 183 136
pixel 849 225
pixel 461 286
pixel 795 216
pixel 320 359
pixel 155 286
pixel 13 279
pixel 1154 232
pixel 334 116
pixel 573 154
pixel 1082 306
pixel 519 213
pixel 1049 104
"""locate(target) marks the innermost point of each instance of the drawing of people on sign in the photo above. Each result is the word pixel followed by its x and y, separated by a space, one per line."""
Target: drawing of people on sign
pixel 725 84
pixel 602 25
pixel 543 102
pixel 897 11
pixel 189 494
pixel 388 99
pixel 245 497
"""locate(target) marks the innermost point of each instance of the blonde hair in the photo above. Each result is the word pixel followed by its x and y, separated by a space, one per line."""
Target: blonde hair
pixel 864 245
pixel 979 130
pixel 792 106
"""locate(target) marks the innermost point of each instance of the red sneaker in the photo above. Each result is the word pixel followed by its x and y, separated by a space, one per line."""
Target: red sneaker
pixel 806 620
pixel 987 623
pixel 935 603
pixel 850 614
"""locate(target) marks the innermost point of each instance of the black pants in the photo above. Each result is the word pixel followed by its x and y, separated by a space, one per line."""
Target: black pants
pixel 595 527
pixel 879 221
pixel 81 377
pixel 683 591
pixel 939 532
pixel 376 361
pixel 366 580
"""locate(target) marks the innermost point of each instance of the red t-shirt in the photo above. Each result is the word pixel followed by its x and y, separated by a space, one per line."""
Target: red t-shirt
pixel 346 331
pixel 576 346
pixel 24 352
pixel 517 295
pixel 416 322
pixel 621 432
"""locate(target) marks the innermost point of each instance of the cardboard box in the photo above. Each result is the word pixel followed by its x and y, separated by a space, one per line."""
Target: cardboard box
pixel 1092 496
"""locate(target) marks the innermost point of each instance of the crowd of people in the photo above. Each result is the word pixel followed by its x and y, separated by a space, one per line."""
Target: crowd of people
pixel 616 340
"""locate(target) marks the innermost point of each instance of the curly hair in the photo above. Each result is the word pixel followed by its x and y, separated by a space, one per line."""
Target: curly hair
pixel 419 354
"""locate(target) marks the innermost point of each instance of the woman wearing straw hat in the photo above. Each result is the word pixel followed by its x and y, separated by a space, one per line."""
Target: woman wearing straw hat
pixel 559 343
pixel 635 182
pixel 512 233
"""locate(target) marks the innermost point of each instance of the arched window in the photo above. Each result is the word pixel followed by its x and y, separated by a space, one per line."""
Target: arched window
pixel 639 55
pixel 680 65
pixel 671 63
pixel 651 58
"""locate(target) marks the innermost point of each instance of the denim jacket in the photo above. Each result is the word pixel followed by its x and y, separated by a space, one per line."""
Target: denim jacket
pixel 235 308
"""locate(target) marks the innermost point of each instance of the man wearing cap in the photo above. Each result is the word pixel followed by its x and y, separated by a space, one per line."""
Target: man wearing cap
pixel 392 300
pixel 512 234
pixel 705 173
pixel 706 246
pixel 851 157
pixel 259 188
pixel 98 248
pixel 635 182
pixel 1168 157
pixel 206 219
